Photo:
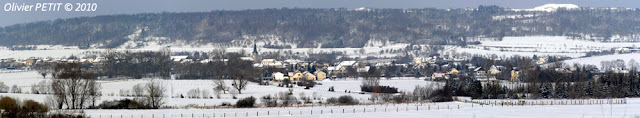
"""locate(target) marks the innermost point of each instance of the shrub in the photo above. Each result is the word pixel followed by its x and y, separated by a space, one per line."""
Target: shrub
pixel 286 98
pixel 307 83
pixel 10 107
pixel 225 104
pixel 4 88
pixel 122 104
pixel 28 109
pixel 246 102
pixel 16 89
pixel 269 101
pixel 345 99
pixel 67 115
pixel 379 89
pixel 332 100
pixel 33 106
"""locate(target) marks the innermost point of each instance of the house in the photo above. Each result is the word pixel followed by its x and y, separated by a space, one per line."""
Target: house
pixel 542 60
pixel 30 62
pixel 321 75
pixel 454 71
pixel 481 77
pixel 268 61
pixel 440 75
pixel 309 76
pixel 363 69
pixel 179 58
pixel 480 71
pixel 295 76
pixel 278 76
pixel 515 75
pixel 494 70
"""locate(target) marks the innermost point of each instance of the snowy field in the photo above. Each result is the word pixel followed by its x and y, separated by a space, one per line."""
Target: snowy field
pixel 111 88
pixel 411 110
pixel 541 45
pixel 595 60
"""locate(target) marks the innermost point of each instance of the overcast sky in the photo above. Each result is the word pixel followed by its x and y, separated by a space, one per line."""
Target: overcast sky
pixel 107 7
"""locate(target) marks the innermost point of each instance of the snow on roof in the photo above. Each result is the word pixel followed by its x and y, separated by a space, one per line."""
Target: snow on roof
pixel 179 57
pixel 268 59
pixel 246 58
pixel 347 63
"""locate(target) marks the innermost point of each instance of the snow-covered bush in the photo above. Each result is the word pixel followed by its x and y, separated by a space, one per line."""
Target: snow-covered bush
pixel 4 88
pixel 16 89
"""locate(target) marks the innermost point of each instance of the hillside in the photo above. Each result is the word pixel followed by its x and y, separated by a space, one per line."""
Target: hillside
pixel 326 28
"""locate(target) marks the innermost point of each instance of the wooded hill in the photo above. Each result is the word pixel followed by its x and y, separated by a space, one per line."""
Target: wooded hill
pixel 331 27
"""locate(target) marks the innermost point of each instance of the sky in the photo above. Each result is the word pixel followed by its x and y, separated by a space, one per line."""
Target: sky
pixel 110 7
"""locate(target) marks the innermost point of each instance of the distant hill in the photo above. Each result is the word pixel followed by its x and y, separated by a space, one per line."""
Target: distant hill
pixel 331 28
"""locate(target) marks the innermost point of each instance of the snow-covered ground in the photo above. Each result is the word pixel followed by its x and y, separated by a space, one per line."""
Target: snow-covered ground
pixel 551 7
pixel 111 88
pixel 411 110
pixel 595 60
pixel 541 45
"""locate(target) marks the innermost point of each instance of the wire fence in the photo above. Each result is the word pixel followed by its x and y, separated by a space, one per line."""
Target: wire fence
pixel 303 110
pixel 524 102
pixel 293 111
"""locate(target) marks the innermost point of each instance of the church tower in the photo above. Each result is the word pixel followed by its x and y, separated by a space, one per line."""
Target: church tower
pixel 254 54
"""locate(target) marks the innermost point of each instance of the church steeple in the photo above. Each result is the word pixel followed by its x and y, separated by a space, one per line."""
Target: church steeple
pixel 255 48
pixel 254 54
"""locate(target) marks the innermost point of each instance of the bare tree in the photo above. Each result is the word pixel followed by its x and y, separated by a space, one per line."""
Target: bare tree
pixel 94 93
pixel 155 91
pixel 220 86
pixel 44 68
pixel 73 85
pixel 138 90
pixel 240 84
pixel 371 77
pixel 205 94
